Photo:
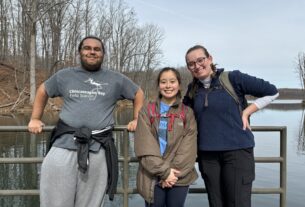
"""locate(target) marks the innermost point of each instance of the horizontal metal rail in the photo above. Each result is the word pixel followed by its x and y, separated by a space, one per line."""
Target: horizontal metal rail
pixel 29 160
pixel 125 159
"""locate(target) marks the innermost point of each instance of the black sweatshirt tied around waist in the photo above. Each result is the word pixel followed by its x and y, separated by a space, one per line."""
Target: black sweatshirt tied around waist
pixel 83 137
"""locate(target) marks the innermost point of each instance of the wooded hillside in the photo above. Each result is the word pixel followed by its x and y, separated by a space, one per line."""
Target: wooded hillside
pixel 13 97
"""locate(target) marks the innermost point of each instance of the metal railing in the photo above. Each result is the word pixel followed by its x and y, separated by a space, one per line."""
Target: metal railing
pixel 125 190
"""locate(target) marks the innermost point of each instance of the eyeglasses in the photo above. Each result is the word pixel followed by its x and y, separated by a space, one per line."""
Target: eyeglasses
pixel 95 49
pixel 191 65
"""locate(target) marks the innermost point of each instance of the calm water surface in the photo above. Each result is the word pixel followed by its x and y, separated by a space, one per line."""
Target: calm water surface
pixel 26 176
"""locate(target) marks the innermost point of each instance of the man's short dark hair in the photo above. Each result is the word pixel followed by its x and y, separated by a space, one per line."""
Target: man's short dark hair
pixel 90 37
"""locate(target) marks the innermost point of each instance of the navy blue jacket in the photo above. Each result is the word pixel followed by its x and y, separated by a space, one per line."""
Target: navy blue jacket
pixel 217 114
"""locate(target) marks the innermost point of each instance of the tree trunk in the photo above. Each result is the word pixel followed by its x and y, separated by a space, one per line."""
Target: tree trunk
pixel 33 54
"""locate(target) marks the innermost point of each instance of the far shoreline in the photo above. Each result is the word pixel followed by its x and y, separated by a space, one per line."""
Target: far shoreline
pixel 280 103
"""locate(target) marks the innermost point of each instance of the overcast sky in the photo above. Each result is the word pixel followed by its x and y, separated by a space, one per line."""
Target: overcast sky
pixel 262 38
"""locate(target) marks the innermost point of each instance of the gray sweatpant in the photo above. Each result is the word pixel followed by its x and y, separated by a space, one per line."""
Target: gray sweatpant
pixel 63 185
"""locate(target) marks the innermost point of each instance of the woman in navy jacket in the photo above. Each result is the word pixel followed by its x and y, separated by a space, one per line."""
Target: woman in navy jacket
pixel 225 140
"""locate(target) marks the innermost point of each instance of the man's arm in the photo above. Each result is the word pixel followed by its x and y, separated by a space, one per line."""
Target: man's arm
pixel 35 125
pixel 137 105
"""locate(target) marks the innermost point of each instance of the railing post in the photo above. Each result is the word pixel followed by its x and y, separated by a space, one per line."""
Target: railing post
pixel 283 166
pixel 125 168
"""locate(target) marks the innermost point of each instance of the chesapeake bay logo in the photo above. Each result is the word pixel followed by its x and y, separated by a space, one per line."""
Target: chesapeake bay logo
pixel 90 94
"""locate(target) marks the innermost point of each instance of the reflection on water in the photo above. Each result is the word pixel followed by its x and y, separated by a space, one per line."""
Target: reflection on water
pixel 293 105
pixel 301 134
pixel 267 174
pixel 26 176
pixel 21 144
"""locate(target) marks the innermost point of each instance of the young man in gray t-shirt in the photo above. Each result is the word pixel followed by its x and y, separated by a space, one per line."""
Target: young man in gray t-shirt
pixel 90 93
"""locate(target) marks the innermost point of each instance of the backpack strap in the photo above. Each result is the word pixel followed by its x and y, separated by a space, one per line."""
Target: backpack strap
pixel 151 108
pixel 171 120
pixel 226 83
pixel 181 115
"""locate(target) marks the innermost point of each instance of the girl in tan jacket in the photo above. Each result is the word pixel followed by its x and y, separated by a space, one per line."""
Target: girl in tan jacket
pixel 166 145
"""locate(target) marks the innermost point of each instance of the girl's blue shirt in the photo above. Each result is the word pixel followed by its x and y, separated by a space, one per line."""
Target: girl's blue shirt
pixel 162 132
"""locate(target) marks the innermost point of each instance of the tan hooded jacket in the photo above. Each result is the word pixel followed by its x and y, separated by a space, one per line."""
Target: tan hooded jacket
pixel 180 153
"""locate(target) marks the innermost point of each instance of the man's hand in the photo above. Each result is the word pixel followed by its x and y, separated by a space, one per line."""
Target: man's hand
pixel 35 126
pixel 132 125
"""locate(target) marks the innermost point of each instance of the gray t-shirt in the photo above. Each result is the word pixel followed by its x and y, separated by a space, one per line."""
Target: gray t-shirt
pixel 89 99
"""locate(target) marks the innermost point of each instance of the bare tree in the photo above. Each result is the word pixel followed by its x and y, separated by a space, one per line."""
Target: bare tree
pixel 56 17
pixel 4 27
pixel 33 17
pixel 301 69
pixel 301 72
pixel 44 42
pixel 37 12
pixel 301 134
pixel 45 34
pixel 88 17
pixel 131 49
pixel 73 31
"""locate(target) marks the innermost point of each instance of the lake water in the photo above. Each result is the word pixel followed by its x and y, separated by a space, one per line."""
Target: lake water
pixel 26 176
